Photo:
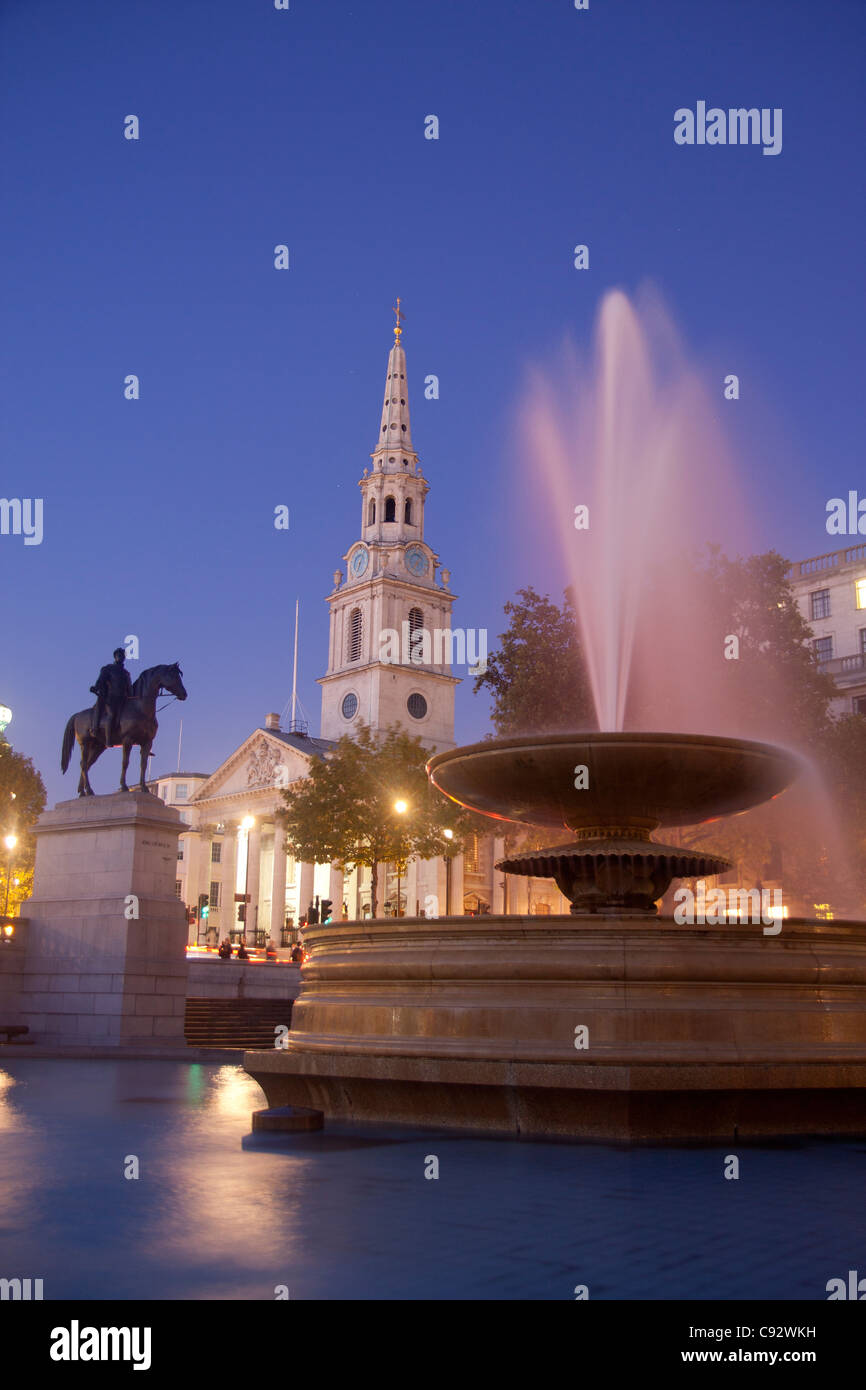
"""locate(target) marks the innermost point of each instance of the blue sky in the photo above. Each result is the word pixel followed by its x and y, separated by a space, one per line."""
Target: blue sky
pixel 261 387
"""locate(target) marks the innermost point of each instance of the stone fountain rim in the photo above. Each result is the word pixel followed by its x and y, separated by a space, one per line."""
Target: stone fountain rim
pixel 618 737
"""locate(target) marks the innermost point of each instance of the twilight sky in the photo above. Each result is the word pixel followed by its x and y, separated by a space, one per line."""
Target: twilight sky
pixel 261 387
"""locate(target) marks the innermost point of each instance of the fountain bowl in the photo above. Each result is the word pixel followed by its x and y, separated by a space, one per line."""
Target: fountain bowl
pixel 636 782
pixel 612 790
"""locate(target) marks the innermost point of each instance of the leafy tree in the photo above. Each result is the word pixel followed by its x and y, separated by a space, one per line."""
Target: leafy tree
pixel 344 812
pixel 537 675
pixel 22 801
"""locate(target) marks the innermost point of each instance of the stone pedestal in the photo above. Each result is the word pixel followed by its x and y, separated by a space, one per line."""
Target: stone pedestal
pixel 105 959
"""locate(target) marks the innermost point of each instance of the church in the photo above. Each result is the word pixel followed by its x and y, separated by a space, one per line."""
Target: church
pixel 393 581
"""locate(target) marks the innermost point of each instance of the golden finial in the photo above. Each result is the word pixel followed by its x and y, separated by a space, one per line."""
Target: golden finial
pixel 400 316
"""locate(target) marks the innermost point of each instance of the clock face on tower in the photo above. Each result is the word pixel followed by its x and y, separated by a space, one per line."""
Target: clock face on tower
pixel 359 561
pixel 416 560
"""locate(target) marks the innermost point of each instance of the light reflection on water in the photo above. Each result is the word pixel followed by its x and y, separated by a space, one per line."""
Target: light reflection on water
pixel 220 1214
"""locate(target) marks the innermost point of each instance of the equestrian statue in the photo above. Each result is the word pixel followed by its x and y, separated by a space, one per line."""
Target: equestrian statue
pixel 124 714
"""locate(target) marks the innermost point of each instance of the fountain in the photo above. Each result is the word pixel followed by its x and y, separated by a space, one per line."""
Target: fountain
pixel 630 784
pixel 609 1022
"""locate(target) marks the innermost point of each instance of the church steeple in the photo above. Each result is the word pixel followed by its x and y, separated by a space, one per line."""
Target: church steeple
pixel 395 430
pixel 393 584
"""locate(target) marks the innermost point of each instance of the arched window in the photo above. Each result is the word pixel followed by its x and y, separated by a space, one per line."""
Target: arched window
pixel 416 630
pixel 390 509
pixel 353 652
pixel 371 512
pixel 407 512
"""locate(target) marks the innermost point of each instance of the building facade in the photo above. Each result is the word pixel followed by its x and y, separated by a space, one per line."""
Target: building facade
pixel 831 594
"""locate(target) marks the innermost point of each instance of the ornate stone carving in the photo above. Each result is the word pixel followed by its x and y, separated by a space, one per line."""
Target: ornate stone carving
pixel 263 765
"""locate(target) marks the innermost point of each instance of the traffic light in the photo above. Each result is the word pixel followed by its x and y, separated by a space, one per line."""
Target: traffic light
pixel 313 914
pixel 325 907
pixel 203 906
pixel 242 912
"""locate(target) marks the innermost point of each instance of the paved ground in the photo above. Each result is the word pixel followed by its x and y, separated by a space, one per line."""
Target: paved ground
pixel 344 1214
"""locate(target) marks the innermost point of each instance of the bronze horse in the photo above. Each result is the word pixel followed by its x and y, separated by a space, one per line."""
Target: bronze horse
pixel 137 724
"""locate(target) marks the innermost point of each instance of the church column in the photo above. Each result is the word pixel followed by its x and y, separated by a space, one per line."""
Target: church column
pixel 254 846
pixel 498 904
pixel 228 876
pixel 278 884
pixel 305 890
pixel 457 886
pixel 335 891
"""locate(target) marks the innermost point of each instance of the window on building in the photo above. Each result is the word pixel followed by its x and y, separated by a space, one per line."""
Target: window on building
pixel 417 706
pixel 470 855
pixel 355 631
pixel 216 851
pixel 180 849
pixel 859 703
pixel 371 511
pixel 540 909
pixel 178 888
pixel 863 641
pixel 407 511
pixel 390 509
pixel 416 634
pixel 214 897
pixel 181 792
pixel 823 648
pixel 820 603
pixel 860 591
pixel 349 707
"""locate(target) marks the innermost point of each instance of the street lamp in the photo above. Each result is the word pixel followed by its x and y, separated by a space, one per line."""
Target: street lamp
pixel 449 835
pixel 247 824
pixel 10 841
pixel 401 807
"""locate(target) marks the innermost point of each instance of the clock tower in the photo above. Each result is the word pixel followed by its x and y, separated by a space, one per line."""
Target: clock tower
pixel 390 646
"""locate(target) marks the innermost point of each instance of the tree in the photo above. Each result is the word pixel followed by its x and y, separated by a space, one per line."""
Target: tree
pixel 22 801
pixel 537 676
pixel 344 812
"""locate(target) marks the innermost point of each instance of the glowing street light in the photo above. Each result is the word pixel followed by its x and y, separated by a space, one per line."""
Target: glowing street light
pixel 449 835
pixel 10 841
pixel 401 807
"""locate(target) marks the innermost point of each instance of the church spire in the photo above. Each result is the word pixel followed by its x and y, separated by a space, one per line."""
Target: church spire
pixel 395 431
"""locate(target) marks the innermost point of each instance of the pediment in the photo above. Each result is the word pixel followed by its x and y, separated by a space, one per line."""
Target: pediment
pixel 260 763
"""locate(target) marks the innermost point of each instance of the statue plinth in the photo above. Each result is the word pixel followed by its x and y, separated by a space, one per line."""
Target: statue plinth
pixel 105 951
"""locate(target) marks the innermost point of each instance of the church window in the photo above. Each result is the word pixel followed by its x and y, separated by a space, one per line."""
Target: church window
pixel 407 512
pixel 416 622
pixel 216 851
pixel 372 511
pixel 354 652
pixel 390 509
pixel 417 706
pixel 214 894
pixel 403 428
pixel 349 707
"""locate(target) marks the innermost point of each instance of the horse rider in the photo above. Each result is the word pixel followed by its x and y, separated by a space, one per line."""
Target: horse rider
pixel 111 690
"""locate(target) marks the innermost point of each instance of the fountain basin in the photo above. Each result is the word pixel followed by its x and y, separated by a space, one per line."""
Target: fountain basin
pixel 470 1023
